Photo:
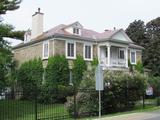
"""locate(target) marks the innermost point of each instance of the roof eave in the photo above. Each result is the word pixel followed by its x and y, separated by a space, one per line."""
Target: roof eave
pixel 31 42
pixel 75 37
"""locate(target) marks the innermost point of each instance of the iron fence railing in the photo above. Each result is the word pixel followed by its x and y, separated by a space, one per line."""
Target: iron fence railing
pixel 20 105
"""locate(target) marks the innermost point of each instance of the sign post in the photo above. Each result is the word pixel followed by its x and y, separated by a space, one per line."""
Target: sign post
pixel 99 84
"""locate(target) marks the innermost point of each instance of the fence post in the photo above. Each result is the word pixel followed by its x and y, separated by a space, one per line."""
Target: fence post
pixel 143 100
pixel 75 111
pixel 36 118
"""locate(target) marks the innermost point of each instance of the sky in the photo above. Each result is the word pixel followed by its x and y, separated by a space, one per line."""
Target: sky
pixel 97 15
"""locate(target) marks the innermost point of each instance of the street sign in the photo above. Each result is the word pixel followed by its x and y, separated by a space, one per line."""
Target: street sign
pixel 99 84
pixel 99 78
pixel 149 91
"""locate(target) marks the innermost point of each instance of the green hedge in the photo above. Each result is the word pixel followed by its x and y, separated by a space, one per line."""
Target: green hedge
pixel 57 71
pixel 124 90
pixel 79 66
pixel 56 86
pixel 30 77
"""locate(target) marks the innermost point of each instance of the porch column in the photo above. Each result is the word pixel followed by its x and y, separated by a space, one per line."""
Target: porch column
pixel 126 57
pixel 108 53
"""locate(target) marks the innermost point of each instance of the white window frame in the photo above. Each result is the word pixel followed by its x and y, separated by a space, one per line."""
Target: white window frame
pixel 121 49
pixel 66 49
pixel 135 57
pixel 44 43
pixel 77 31
pixel 88 59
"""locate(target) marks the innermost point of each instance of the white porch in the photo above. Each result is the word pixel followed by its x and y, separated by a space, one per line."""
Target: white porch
pixel 113 56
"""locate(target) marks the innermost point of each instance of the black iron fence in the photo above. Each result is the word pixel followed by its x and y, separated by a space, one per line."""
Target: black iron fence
pixel 34 105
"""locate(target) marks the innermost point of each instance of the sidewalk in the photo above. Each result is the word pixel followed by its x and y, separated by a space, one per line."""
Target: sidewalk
pixel 133 116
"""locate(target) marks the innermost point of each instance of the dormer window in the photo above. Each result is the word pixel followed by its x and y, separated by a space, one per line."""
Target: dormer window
pixel 76 31
pixel 74 28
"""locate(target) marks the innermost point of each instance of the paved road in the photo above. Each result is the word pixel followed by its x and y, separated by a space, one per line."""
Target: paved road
pixel 155 115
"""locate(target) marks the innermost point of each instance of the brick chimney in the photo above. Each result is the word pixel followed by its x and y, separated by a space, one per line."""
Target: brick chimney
pixel 37 24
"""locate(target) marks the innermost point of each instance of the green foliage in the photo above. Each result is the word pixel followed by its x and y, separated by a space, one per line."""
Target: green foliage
pixel 123 91
pixel 151 55
pixel 57 71
pixel 158 101
pixel 2 77
pixel 5 52
pixel 155 83
pixel 56 86
pixel 54 94
pixel 30 77
pixel 17 35
pixel 9 5
pixel 139 67
pixel 136 31
pixel 87 100
pixel 94 62
pixel 5 49
pixel 79 66
pixel 147 36
pixel 130 66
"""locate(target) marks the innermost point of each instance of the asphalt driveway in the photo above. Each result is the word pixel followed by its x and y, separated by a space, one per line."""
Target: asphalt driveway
pixel 154 115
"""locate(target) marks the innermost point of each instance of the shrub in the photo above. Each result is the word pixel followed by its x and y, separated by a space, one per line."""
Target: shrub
pixel 155 83
pixel 139 67
pixel 56 87
pixel 2 78
pixel 123 91
pixel 94 62
pixel 30 77
pixel 52 94
pixel 86 97
pixel 57 71
pixel 79 66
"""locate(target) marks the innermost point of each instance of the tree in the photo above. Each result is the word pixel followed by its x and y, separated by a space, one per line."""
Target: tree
pixel 9 5
pixel 152 54
pixel 79 66
pixel 57 71
pixel 136 31
pixel 30 77
pixel 5 53
pixel 6 31
pixel 56 85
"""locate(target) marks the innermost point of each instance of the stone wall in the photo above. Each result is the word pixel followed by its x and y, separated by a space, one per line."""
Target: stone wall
pixel 27 53
pixel 30 52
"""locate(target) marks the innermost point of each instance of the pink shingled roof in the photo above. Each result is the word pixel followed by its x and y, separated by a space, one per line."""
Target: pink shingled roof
pixel 85 33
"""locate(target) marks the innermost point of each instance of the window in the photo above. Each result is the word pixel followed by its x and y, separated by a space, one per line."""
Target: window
pixel 45 50
pixel 70 51
pixel 88 52
pixel 133 57
pixel 76 30
pixel 121 53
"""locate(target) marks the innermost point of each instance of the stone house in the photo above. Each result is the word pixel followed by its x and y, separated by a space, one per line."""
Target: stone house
pixel 113 48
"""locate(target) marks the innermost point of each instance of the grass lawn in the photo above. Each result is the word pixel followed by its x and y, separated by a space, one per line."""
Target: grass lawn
pixel 148 103
pixel 25 110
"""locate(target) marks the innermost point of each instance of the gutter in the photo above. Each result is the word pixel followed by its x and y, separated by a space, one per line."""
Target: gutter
pixel 56 35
